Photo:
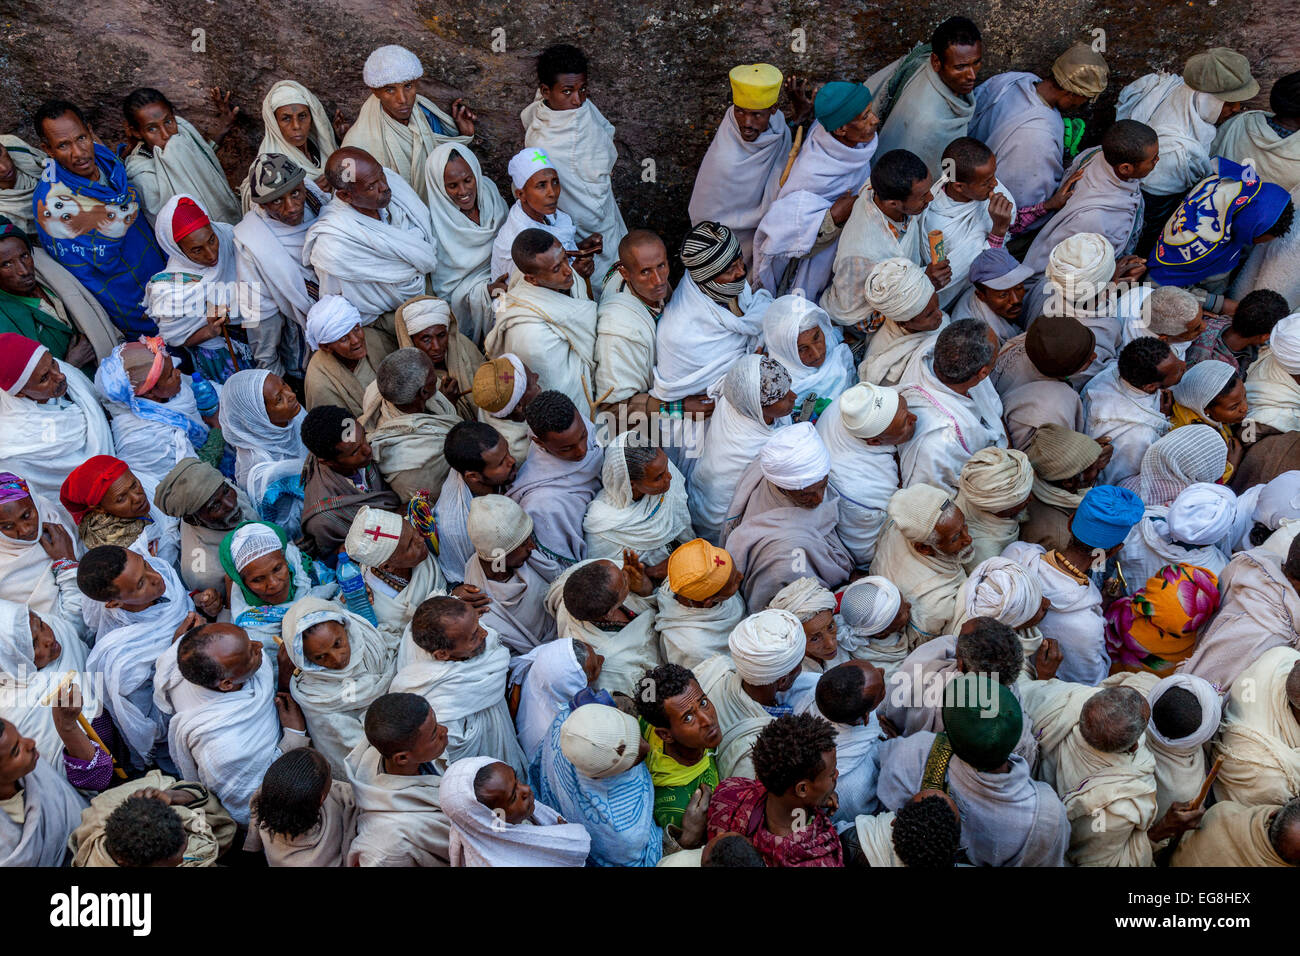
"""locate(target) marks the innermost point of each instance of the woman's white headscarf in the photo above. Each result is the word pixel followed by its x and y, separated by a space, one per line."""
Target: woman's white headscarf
pixel 649 526
pixel 551 676
pixel 783 322
pixel 1183 457
pixel 805 598
pixel 290 93
pixel 246 426
pixel 25 572
pixel 1201 383
pixel 179 308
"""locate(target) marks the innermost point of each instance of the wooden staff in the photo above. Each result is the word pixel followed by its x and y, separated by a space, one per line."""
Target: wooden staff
pixel 48 699
pixel 1209 782
pixel 794 151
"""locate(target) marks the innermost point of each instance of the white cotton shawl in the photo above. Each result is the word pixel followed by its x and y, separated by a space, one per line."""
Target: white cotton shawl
pixel 649 527
pixel 246 426
pixel 52 810
pixel 1075 619
pixel 556 494
pixel 517 606
pixel 625 343
pixel 270 265
pixel 926 115
pixel 1260 739
pixel 1101 203
pixel 401 147
pixel 1248 136
pixel 966 227
pixel 786 318
pixel 401 822
pixel 26 576
pixel 892 349
pixel 868 237
pixel 16 203
pixel 698 340
pixel 688 636
pixel 930 583
pixel 1029 407
pixel 1184 120
pixel 865 476
pixel 549 676
pixel 1024 132
pixel 557 224
pixel 1128 416
pixel 1273 394
pixel 186 165
pixel 553 333
pixel 396 610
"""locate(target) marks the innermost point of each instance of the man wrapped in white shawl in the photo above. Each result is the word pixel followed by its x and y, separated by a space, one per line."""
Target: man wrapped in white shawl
pixel 186 164
pixel 1129 416
pixel 1193 530
pixel 634 511
pixel 993 493
pixel 27 572
pixel 339 672
pixel 795 329
pixel 468 694
pixel 872 623
pixel 406 431
pixel 403 143
pixel 548 677
pixel 44 440
pixel 1255 135
pixel 1011 594
pixel 699 604
pixel 483 836
pixel 899 290
pixel 555 491
pixel 1273 382
pixel 50 810
pixel 1260 738
pixel 465 228
pixel 400 822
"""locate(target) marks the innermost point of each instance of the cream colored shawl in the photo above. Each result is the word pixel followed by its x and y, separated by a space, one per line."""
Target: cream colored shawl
pixel 739 715
pixel 930 583
pixel 402 147
pixel 1260 739
pixel 287 93
pixel 1230 835
pixel 187 165
pixel 16 203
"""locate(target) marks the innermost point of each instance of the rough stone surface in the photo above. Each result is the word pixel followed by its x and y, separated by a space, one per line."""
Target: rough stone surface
pixel 659 68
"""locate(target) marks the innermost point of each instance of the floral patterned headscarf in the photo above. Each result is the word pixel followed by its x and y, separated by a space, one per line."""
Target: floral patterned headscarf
pixel 1157 626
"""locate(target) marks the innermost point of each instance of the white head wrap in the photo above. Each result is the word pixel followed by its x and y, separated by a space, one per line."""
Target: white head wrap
pixel 994 479
pixel 284 94
pixel 520 385
pixel 1278 500
pixel 785 320
pixel 898 289
pixel 805 598
pixel 391 64
pixel 497 525
pixel 1211 710
pixel 330 319
pixel 766 646
pixel 425 314
pixel 1183 457
pixel 1202 514
pixel 602 741
pixel 1285 343
pixel 867 410
pixel 795 457
pixel 916 510
pixel 251 542
pixel 373 537
pixel 1003 590
pixel 1081 266
pixel 869 605
pixel 1201 383
pixel 525 163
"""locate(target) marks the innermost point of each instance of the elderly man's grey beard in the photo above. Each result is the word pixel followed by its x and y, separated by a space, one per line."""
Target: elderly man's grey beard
pixel 965 554
pixel 228 523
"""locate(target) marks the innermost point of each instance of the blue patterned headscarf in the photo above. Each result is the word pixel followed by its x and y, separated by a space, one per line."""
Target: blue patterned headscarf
pixel 115 385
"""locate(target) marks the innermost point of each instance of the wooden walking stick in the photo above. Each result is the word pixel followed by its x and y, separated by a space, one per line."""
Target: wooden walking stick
pixel 1168 852
pixel 794 151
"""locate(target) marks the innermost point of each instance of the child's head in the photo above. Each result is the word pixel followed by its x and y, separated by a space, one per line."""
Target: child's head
pixel 499 788
pixel 145 831
pixel 293 791
pixel 149 117
pixel 405 731
pixel 562 76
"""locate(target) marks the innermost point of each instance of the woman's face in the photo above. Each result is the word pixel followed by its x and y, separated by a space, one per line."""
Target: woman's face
pixel 155 123
pixel 268 577
pixel 326 645
pixel 125 498
pixel 461 185
pixel 168 385
pixel 819 630
pixel 294 121
pixel 812 347
pixel 656 480
pixel 433 343
pixel 19 520
pixel 350 348
pixel 45 646
pixel 202 247
pixel 411 549
pixel 779 409
pixel 281 404
pixel 1230 409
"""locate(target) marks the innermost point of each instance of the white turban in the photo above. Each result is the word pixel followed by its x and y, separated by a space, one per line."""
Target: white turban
pixel 898 289
pixel 525 163
pixel 867 410
pixel 391 64
pixel 1003 590
pixel 286 94
pixel 1081 265
pixel 425 314
pixel 373 537
pixel 1285 343
pixel 805 598
pixel 251 542
pixel 329 320
pixel 1211 707
pixel 497 525
pixel 916 510
pixel 795 457
pixel 1201 383
pixel 994 479
pixel 766 646
pixel 1279 500
pixel 869 605
pixel 1202 514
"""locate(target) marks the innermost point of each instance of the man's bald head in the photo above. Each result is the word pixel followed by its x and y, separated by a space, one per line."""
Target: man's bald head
pixel 643 264
pixel 1284 831
pixel 344 163
pixel 358 179
pixel 1114 718
pixel 636 239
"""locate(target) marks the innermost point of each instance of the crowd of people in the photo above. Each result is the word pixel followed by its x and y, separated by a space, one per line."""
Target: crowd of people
pixel 941 513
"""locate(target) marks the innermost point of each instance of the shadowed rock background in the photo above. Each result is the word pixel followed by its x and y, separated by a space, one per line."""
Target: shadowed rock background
pixel 658 68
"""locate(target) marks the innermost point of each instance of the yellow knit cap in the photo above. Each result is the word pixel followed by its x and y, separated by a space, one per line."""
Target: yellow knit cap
pixel 494 384
pixel 697 570
pixel 755 86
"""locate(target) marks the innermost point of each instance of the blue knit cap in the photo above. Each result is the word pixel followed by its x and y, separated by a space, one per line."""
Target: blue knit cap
pixel 1106 515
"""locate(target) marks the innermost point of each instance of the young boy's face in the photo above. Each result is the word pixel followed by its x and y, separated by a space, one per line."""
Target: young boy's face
pixel 568 92
pixel 138 586
pixel 506 795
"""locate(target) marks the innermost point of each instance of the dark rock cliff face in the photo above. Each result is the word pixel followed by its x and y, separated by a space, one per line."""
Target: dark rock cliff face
pixel 658 68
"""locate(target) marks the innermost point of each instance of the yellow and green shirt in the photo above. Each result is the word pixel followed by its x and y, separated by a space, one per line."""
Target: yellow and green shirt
pixel 674 783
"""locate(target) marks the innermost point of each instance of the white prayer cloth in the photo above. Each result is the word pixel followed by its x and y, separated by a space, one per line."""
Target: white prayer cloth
pixel 376 264
pixel 736 181
pixel 865 477
pixel 868 237
pixel 320 137
pixel 788 234
pixel 395 610
pixel 517 220
pixel 27 576
pixel 553 333
pixel 408 445
pixel 1273 394
pixel 556 494
pixel 401 822
pixel 1184 120
pixel 469 697
pixel 1128 416
pixel 273 277
pixel 463 271
pixel 926 115
pixel 225 740
pixel 698 340
pixel 650 526
pixel 402 147
pixel 43 442
pixel 151 447
pixel 1150 546
pixel 480 837
pixel 625 343
pixel 258 442
pixel 549 677
pixel 1247 135
pixel 517 608
pixel 452 513
pixel 930 583
pixel 966 227
pixel 1101 203
pixel 1024 132
pixel 688 636
pixel 1075 620
pixel 785 320
pixel 949 427
pixel 1260 736
pixel 51 811
pixel 1031 406
pixel 187 164
pixel 580 143
pixel 892 350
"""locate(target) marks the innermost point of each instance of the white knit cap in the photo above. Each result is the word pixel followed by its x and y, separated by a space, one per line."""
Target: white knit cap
pixel 869 605
pixel 795 457
pixel 805 598
pixel 1081 265
pixel 251 542
pixel 1202 514
pixel 601 741
pixel 425 314
pixel 1003 590
pixel 767 646
pixel 391 64
pixel 497 525
pixel 867 410
pixel 525 163
pixel 373 537
pixel 916 510
pixel 330 319
pixel 898 289
pixel 1285 343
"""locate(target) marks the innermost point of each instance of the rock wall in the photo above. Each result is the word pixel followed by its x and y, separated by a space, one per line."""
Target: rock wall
pixel 658 66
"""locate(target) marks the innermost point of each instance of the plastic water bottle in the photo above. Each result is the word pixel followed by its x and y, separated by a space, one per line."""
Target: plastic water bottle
pixel 354 589
pixel 205 396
